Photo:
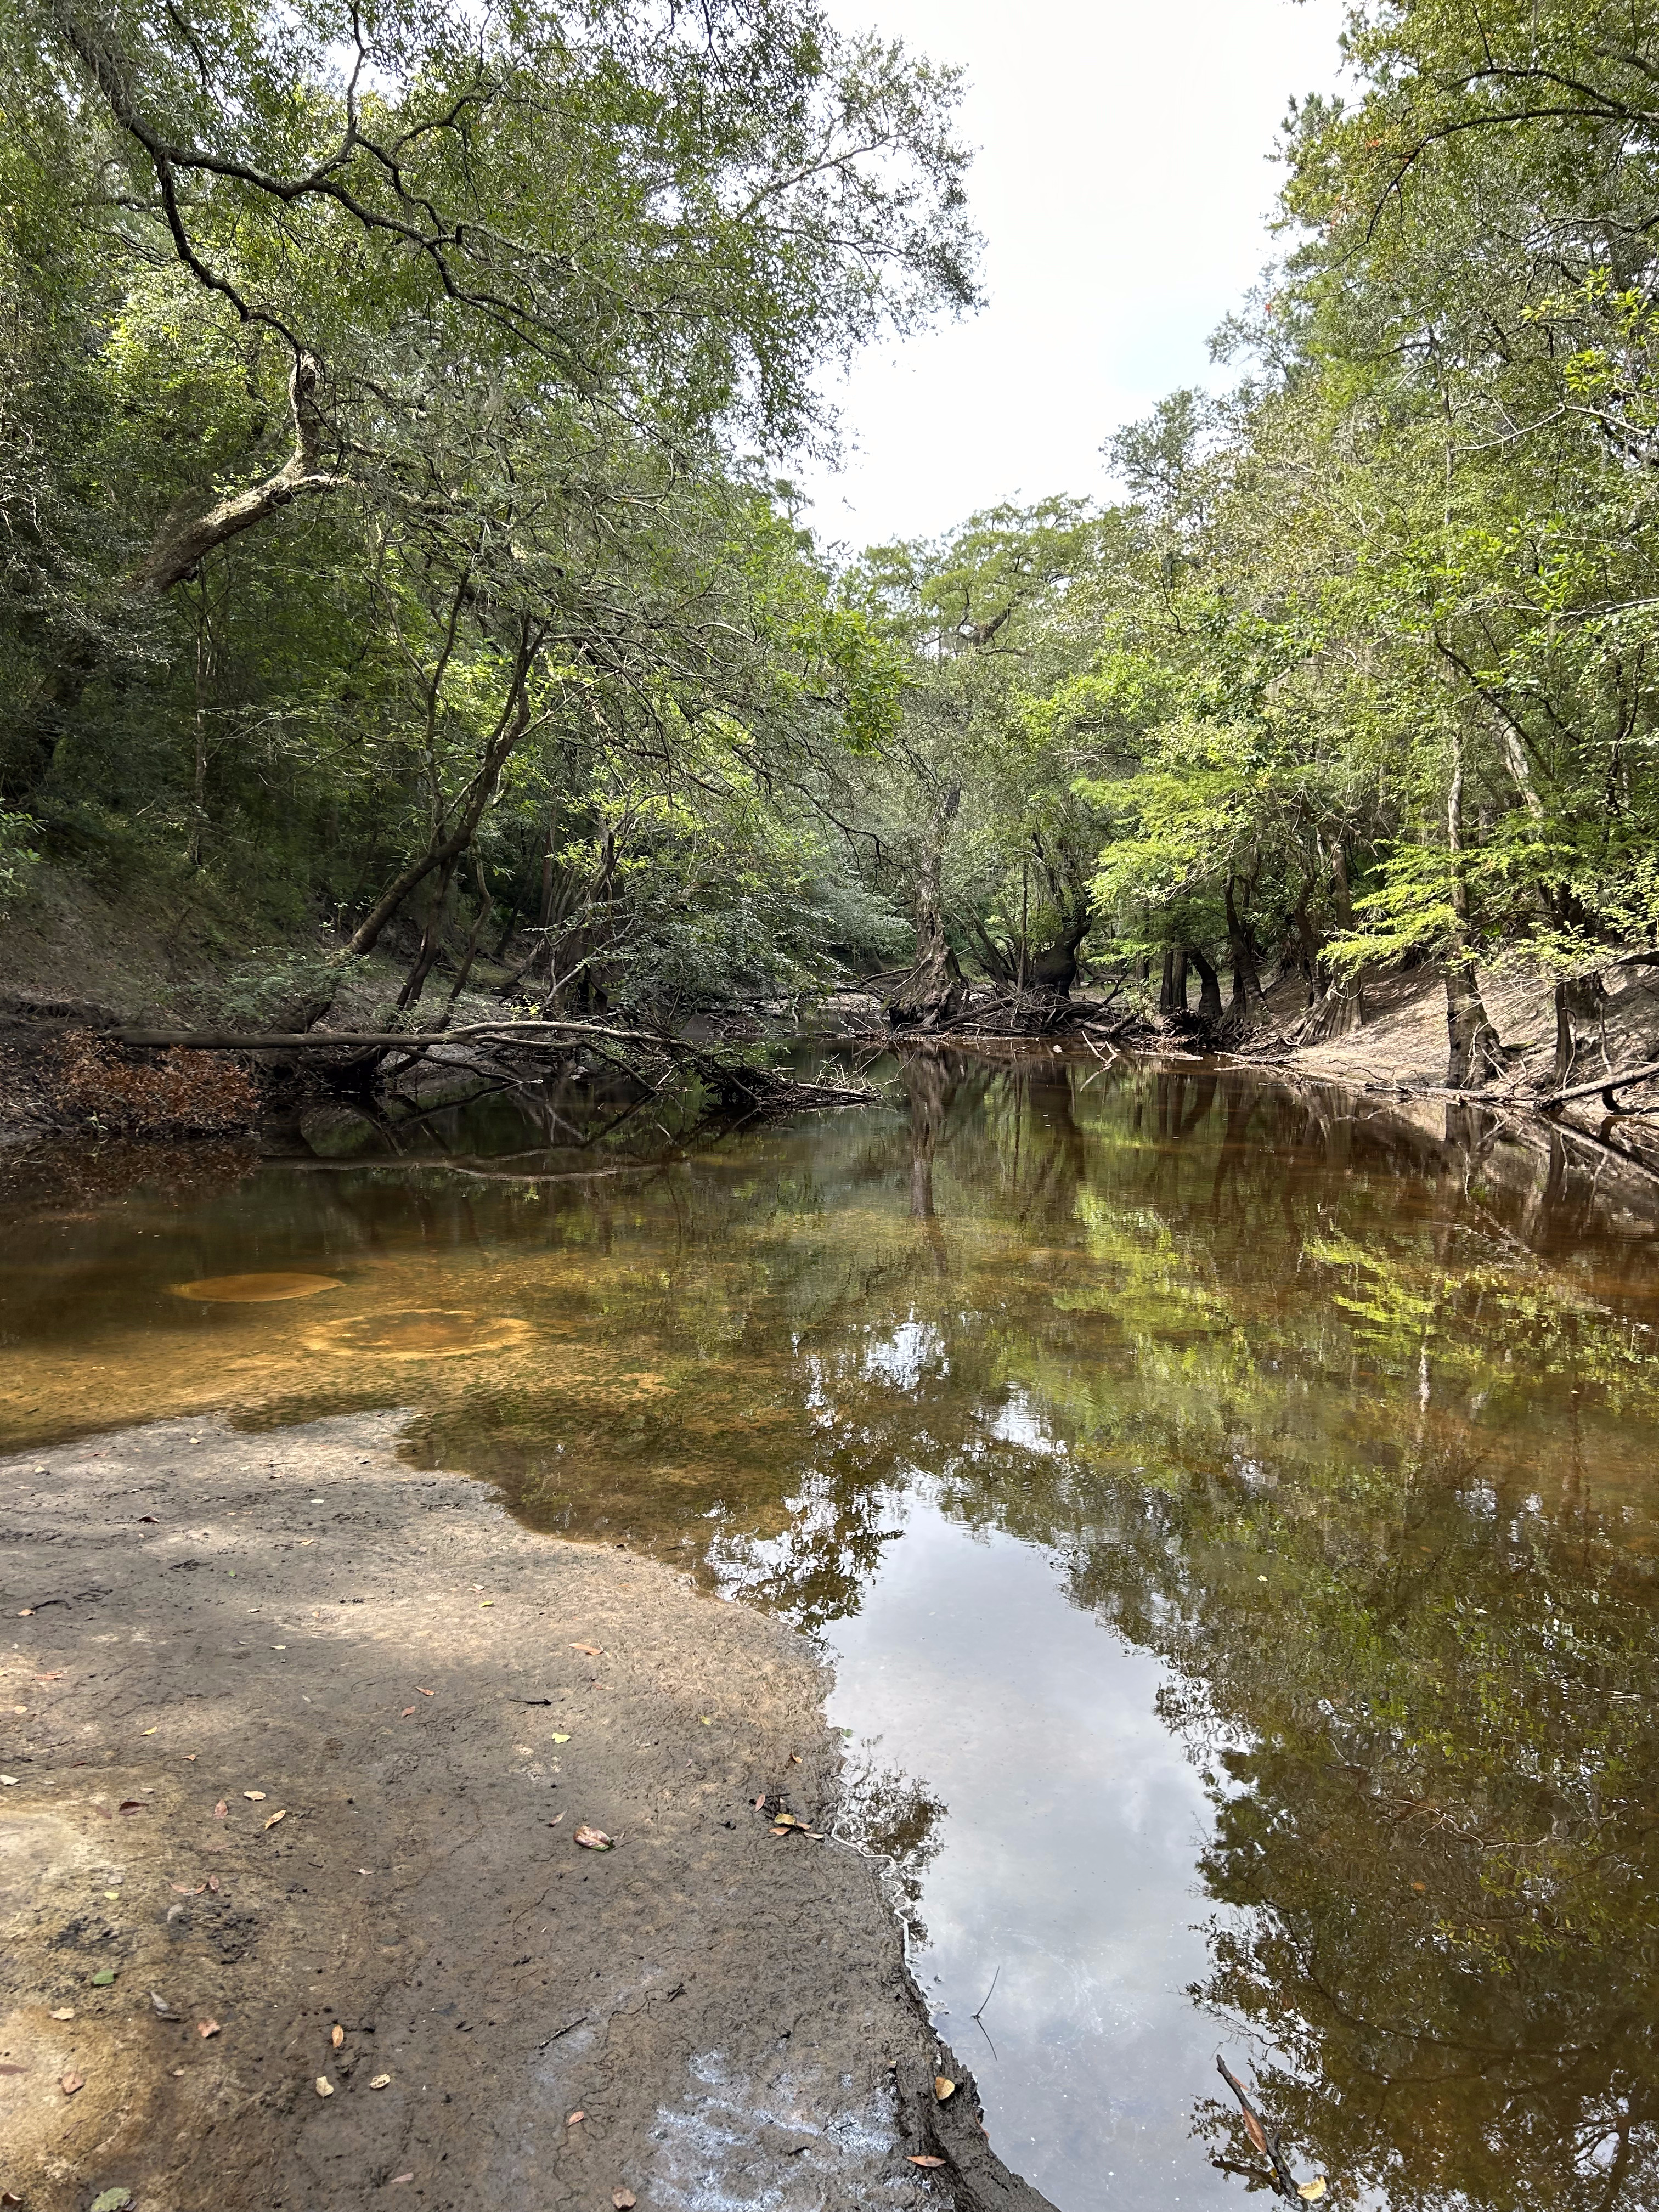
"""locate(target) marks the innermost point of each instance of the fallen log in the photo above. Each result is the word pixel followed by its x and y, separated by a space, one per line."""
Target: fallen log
pixel 381 1040
pixel 1606 1085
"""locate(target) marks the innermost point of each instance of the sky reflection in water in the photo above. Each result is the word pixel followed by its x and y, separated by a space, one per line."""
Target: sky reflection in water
pixel 1230 1509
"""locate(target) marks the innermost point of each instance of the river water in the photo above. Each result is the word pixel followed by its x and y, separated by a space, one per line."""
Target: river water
pixel 1229 1509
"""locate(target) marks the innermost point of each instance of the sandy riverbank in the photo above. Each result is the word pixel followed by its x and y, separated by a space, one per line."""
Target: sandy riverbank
pixel 434 1699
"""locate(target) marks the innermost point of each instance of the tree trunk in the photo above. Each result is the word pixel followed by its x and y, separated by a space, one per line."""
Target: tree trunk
pixel 1578 1003
pixel 934 991
pixel 1475 1055
pixel 187 537
pixel 1054 967
pixel 1178 983
pixel 1246 980
pixel 1209 989
pixel 1166 987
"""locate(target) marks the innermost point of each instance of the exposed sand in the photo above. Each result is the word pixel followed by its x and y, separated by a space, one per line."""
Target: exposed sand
pixel 399 1669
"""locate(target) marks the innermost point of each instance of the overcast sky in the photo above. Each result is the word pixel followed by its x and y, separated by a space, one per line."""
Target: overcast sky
pixel 1122 182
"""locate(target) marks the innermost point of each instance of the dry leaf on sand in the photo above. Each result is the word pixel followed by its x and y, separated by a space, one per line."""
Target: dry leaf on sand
pixel 944 2087
pixel 275 1817
pixel 324 2087
pixel 207 2028
pixel 921 2159
pixel 623 2199
pixel 337 2035
pixel 594 1839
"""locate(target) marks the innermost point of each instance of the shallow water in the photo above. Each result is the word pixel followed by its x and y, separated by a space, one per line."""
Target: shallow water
pixel 1232 1510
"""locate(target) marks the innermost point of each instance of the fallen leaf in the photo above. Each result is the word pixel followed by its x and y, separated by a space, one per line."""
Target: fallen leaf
pixel 557 1738
pixel 574 2118
pixel 185 1889
pixel 1252 2128
pixel 426 1693
pixel 221 1809
pixel 594 1839
pixel 69 2083
pixel 923 2160
pixel 324 2087
pixel 1419 1887
pixel 944 2087
pixel 794 1759
pixel 337 2035
pixel 192 1757
pixel 1311 2192
pixel 593 1652
pixel 275 1817
pixel 555 1822
pixel 65 2011
pixel 113 2200
pixel 397 2178
pixel 380 2081
pixel 207 2028
pixel 485 1607
pixel 161 2005
pixel 759 1801
pixel 405 1713
pixel 623 2199
pixel 103 1977
pixel 132 1805
pixel 707 1719
pixel 254 1797
pixel 24 1611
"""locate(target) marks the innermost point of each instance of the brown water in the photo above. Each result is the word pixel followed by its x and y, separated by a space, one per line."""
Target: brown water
pixel 1232 1510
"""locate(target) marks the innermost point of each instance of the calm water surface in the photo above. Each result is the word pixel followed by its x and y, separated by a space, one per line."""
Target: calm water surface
pixel 1231 1511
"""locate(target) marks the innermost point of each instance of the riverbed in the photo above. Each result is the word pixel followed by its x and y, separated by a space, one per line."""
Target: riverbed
pixel 1228 1507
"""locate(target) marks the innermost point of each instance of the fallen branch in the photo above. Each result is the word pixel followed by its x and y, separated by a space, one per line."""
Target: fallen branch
pixel 1606 1086
pixel 383 1040
pixel 1266 2139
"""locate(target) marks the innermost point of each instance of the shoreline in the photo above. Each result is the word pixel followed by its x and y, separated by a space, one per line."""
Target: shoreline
pixel 432 1699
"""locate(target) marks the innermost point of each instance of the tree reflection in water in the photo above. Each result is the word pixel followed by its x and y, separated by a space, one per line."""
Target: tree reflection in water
pixel 1346 1414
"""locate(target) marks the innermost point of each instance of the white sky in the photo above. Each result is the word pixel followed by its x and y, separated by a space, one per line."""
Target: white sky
pixel 1123 182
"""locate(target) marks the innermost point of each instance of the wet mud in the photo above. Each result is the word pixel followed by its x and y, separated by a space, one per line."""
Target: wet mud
pixel 299 1741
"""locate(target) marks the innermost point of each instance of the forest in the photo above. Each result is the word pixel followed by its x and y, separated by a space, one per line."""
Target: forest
pixel 399 556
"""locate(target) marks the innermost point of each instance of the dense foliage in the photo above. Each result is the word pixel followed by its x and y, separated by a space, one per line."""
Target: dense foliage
pixel 388 530
pixel 384 520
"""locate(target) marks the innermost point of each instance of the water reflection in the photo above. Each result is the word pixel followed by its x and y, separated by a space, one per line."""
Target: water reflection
pixel 1340 1420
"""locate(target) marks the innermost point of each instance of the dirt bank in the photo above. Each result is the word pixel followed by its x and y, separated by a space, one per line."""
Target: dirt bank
pixel 430 1701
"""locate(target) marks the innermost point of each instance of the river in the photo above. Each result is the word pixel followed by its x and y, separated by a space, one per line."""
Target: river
pixel 1229 1509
